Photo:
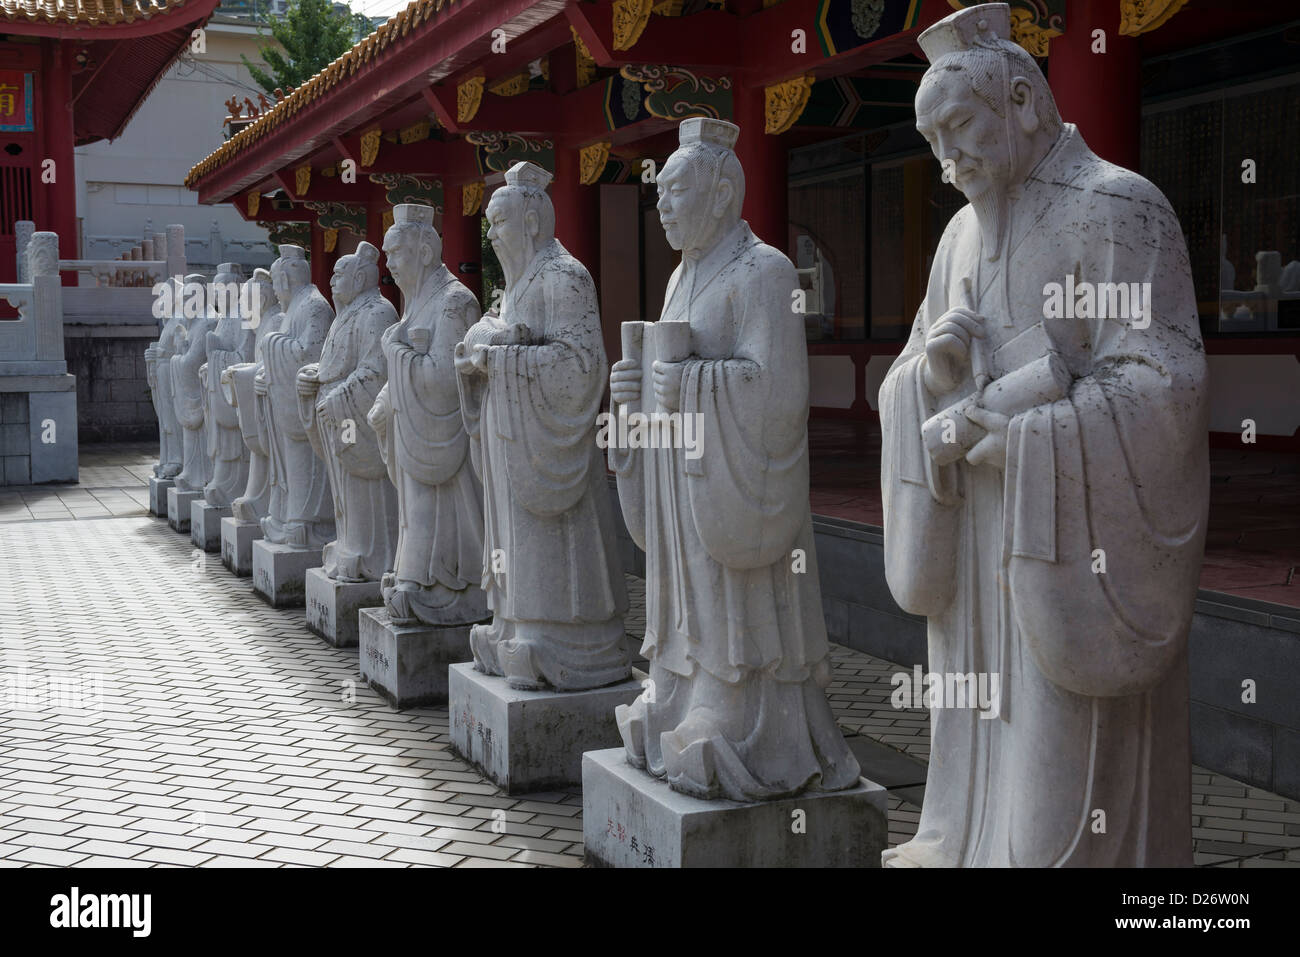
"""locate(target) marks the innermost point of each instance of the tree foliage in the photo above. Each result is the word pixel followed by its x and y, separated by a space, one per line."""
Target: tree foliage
pixel 309 36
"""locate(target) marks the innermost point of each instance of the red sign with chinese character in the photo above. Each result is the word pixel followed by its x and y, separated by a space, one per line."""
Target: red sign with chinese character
pixel 16 111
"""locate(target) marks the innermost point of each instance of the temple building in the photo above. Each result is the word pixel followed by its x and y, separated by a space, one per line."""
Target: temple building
pixel 1200 96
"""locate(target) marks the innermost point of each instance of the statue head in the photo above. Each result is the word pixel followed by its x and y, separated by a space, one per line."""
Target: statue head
pixel 521 218
pixel 294 273
pixel 256 298
pixel 195 297
pixel 984 106
pixel 701 187
pixel 355 273
pixel 223 292
pixel 412 247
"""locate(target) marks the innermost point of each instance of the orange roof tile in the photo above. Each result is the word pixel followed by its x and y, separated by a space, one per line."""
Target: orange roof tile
pixel 89 12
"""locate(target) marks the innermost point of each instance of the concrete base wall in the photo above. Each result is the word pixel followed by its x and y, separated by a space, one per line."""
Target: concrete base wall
pixel 113 401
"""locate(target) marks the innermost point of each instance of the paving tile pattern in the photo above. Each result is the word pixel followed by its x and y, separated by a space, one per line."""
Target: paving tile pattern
pixel 154 713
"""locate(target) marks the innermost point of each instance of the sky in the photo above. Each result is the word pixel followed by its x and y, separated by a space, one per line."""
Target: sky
pixel 378 8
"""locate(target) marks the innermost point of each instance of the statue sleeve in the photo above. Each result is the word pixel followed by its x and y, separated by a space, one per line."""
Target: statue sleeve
pixel 424 391
pixel 748 477
pixel 1107 490
pixel 545 397
pixel 354 396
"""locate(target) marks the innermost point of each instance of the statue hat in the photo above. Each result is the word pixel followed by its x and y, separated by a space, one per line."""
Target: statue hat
pixel 288 252
pixel 529 176
pixel 417 213
pixel 719 134
pixel 979 26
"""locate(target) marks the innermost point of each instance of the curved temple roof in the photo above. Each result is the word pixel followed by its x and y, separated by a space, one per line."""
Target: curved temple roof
pixel 367 49
pixel 86 12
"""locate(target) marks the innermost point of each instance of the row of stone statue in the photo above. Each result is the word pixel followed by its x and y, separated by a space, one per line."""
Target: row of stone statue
pixel 454 457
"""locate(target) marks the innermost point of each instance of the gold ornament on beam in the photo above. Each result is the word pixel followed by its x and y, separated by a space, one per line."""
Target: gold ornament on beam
pixel 591 162
pixel 302 179
pixel 388 219
pixel 254 203
pixel 414 133
pixel 471 198
pixel 331 240
pixel 586 63
pixel 370 146
pixel 630 19
pixel 511 86
pixel 785 101
pixel 1026 32
pixel 468 97
pixel 1143 16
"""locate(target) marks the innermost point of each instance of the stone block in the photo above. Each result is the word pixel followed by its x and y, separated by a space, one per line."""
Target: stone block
pixel 178 508
pixel 158 495
pixel 332 607
pixel 407 664
pixel 237 539
pixel 631 819
pixel 205 524
pixel 531 740
pixel 280 573
pixel 53 431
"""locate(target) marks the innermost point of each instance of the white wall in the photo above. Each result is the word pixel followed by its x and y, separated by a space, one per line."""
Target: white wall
pixel 140 176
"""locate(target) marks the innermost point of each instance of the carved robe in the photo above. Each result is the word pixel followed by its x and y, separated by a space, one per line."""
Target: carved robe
pixel 255 502
pixel 550 564
pixel 228 344
pixel 158 370
pixel 190 402
pixel 303 512
pixel 1094 703
pixel 735 636
pixel 352 370
pixel 423 442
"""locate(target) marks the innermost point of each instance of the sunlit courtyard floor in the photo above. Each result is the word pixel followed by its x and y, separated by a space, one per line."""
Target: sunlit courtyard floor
pixel 172 718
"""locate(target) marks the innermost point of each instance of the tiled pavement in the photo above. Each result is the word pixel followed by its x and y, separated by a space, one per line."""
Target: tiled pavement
pixel 168 717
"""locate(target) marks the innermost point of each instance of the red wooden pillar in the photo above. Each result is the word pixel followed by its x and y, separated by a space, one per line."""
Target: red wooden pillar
pixel 1100 93
pixel 764 159
pixel 58 141
pixel 462 243
pixel 577 211
pixel 321 267
pixel 375 236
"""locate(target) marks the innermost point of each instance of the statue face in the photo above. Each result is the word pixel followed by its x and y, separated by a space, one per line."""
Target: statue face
pixel 280 283
pixel 343 283
pixel 505 225
pixel 406 255
pixel 966 136
pixel 682 211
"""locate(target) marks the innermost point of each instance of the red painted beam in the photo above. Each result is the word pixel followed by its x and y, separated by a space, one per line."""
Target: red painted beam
pixel 706 40
pixel 383 83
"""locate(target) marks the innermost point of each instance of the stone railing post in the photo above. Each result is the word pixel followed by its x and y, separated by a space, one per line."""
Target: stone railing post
pixel 23 230
pixel 47 294
pixel 175 250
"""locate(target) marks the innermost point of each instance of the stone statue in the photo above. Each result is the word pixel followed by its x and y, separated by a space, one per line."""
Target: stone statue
pixel 531 382
pixel 188 395
pixel 157 362
pixel 230 342
pixel 734 630
pixel 1045 480
pixel 422 437
pixel 336 394
pixel 237 388
pixel 301 515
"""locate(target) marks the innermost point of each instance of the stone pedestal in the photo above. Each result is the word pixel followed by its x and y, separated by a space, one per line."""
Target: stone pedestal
pixel 630 819
pixel 158 495
pixel 407 664
pixel 531 740
pixel 237 539
pixel 280 573
pixel 205 525
pixel 332 607
pixel 179 505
